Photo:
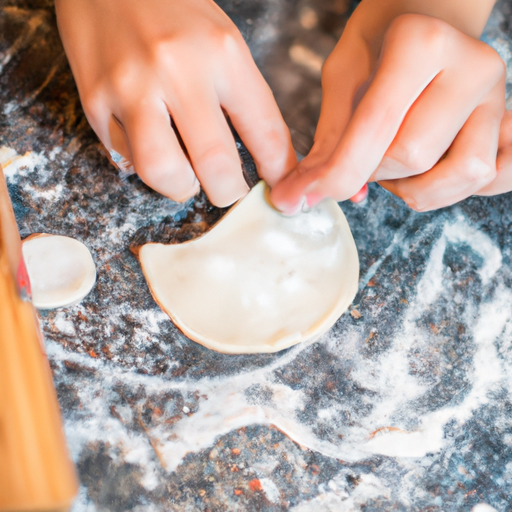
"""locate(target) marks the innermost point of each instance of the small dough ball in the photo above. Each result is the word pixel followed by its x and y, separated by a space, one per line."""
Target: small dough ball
pixel 61 270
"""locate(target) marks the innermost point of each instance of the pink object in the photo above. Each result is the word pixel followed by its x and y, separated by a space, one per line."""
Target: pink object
pixel 361 195
pixel 23 281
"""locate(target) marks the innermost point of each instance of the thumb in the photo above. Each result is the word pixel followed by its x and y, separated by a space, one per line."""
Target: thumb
pixel 345 77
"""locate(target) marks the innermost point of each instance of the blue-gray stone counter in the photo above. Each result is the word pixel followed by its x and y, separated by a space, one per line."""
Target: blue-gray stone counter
pixel 404 405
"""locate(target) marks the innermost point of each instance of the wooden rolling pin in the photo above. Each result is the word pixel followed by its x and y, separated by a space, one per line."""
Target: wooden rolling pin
pixel 36 472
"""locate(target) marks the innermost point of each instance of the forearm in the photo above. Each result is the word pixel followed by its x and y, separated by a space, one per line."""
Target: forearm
pixel 373 17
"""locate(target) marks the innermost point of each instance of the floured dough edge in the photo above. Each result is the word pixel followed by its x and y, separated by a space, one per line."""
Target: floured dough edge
pixel 311 335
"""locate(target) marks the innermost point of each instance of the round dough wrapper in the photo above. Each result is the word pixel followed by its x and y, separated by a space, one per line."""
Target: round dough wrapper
pixel 61 270
pixel 258 281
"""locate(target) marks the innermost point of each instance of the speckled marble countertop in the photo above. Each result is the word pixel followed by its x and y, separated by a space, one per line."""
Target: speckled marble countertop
pixel 404 405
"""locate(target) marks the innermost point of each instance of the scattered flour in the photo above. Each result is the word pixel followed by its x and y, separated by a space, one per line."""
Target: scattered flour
pixel 271 491
pixel 338 500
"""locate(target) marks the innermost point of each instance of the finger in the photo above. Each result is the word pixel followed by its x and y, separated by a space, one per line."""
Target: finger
pixel 156 154
pixel 436 117
pixel 118 148
pixel 506 130
pixel 469 165
pixel 345 79
pixel 346 76
pixel 503 181
pixel 109 130
pixel 255 115
pixel 210 145
pixel 98 111
pixel 429 128
pixel 361 196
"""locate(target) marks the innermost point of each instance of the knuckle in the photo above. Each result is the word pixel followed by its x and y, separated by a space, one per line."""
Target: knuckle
pixel 478 172
pixel 304 169
pixel 414 156
pixel 494 64
pixel 214 158
pixel 227 39
pixel 123 79
pixel 414 202
pixel 163 52
pixel 91 97
pixel 423 33
pixel 276 144
pixel 214 151
pixel 402 23
pixel 92 102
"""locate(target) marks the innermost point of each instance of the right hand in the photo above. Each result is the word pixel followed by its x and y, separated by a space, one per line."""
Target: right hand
pixel 139 65
pixel 415 105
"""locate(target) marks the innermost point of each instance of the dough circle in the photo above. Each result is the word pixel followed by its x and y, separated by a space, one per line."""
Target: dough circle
pixel 61 270
pixel 258 281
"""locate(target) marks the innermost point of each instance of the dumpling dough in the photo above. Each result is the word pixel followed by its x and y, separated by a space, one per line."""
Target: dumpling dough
pixel 258 281
pixel 61 270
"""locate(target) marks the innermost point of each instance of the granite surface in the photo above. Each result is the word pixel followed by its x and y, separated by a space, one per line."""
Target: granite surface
pixel 404 405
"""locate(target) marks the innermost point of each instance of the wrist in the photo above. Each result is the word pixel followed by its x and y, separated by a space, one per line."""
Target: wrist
pixel 373 17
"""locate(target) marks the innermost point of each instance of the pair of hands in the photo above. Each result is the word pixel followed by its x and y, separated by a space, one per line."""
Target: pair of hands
pixel 138 65
pixel 158 80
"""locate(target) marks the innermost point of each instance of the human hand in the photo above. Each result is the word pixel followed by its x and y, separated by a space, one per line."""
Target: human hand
pixel 393 106
pixel 139 64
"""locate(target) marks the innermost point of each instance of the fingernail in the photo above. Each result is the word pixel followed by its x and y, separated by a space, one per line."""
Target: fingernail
pixel 123 164
pixel 305 208
pixel 116 157
pixel 300 206
pixel 229 196
pixel 191 191
pixel 194 189
pixel 361 196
